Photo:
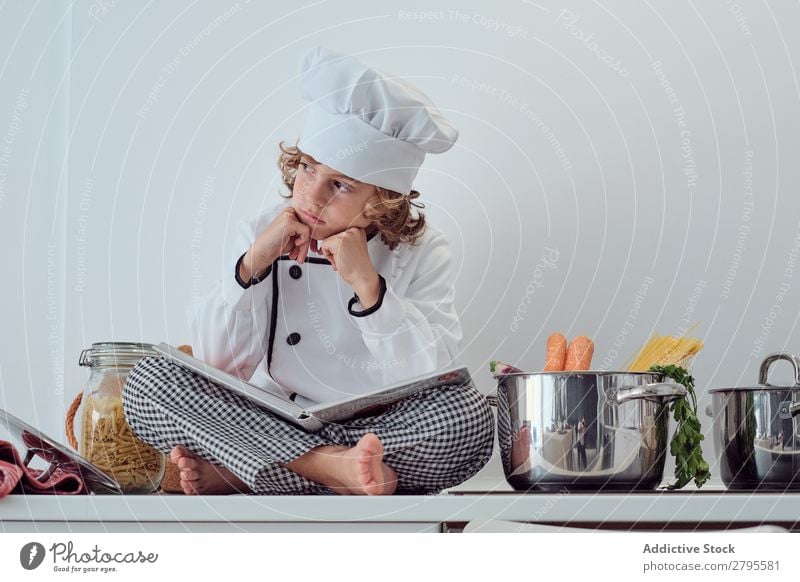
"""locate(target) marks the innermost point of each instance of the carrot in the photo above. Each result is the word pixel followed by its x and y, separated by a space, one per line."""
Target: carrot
pixel 556 353
pixel 579 354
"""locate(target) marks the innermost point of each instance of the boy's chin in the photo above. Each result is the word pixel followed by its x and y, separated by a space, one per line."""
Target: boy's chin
pixel 315 227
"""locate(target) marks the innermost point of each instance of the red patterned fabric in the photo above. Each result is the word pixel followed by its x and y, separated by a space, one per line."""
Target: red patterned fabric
pixel 15 477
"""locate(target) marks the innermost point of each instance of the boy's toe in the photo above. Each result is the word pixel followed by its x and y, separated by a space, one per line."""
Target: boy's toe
pixel 175 454
pixel 191 475
pixel 187 463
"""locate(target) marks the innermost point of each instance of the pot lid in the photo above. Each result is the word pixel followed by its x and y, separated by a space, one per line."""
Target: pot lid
pixel 763 372
pixel 35 443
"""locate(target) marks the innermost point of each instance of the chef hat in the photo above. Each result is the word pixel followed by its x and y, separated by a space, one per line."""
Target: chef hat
pixel 367 125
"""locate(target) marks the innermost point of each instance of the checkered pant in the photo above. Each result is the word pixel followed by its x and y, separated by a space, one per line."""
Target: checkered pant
pixel 434 440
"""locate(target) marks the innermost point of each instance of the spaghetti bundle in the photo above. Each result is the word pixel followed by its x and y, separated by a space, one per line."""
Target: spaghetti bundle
pixel 671 356
pixel 665 350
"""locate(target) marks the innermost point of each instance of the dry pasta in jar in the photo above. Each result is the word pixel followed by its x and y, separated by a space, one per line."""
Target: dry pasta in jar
pixel 107 441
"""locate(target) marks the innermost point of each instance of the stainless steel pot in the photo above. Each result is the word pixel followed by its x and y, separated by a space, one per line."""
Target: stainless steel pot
pixel 757 431
pixel 584 430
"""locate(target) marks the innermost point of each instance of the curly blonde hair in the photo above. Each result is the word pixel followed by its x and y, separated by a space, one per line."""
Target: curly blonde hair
pixel 391 215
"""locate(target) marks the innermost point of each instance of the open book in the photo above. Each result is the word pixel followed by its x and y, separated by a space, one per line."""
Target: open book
pixel 314 418
pixel 37 448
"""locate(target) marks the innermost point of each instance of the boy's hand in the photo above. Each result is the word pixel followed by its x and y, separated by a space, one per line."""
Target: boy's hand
pixel 285 234
pixel 348 254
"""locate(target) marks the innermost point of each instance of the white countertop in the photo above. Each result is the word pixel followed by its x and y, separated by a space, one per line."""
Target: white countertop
pixel 467 502
pixel 705 506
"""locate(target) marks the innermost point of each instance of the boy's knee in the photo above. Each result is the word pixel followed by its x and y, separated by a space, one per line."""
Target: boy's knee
pixel 146 379
pixel 141 389
pixel 462 446
pixel 473 421
pixel 458 419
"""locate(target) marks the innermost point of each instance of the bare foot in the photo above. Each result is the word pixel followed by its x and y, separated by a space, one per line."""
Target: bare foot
pixel 361 469
pixel 199 477
pixel 357 470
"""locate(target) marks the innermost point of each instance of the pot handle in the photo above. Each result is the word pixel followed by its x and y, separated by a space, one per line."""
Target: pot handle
pixel 660 392
pixel 491 399
pixel 709 411
pixel 768 361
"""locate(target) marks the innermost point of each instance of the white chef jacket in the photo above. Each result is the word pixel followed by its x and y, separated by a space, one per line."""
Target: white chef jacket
pixel 300 331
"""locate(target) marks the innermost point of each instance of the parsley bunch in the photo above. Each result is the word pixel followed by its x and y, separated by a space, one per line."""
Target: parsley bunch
pixel 685 443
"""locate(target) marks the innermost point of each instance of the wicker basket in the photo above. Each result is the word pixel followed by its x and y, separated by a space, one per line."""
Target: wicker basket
pixel 171 483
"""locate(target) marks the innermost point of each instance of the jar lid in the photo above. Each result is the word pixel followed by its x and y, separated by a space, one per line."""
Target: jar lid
pixel 115 353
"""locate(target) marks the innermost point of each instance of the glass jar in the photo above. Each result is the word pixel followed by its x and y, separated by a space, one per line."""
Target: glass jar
pixel 106 440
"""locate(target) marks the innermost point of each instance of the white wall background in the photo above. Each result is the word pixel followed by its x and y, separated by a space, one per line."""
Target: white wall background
pixel 653 145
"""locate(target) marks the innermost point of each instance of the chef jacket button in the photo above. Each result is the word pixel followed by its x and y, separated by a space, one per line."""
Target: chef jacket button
pixel 293 338
pixel 295 271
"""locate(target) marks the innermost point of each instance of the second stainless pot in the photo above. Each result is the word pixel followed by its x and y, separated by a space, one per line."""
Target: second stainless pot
pixel 584 430
pixel 757 432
